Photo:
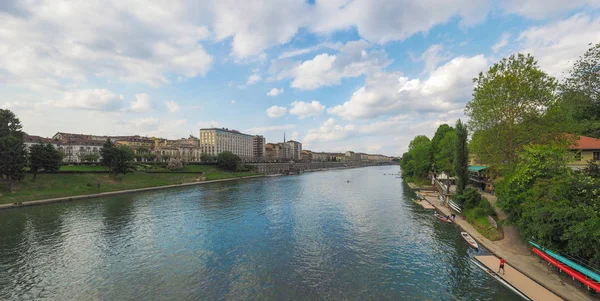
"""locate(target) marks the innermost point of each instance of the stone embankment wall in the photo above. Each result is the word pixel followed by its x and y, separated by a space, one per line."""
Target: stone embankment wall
pixel 284 168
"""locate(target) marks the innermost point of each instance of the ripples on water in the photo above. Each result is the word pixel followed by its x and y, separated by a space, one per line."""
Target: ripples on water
pixel 312 236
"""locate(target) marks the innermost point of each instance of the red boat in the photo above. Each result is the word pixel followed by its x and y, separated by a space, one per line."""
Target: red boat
pixel 442 218
pixel 588 282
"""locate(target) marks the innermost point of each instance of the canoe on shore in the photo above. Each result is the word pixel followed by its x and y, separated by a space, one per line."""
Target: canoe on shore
pixel 442 218
pixel 469 240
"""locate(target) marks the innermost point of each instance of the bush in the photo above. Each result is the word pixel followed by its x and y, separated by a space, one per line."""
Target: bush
pixel 174 164
pixel 479 212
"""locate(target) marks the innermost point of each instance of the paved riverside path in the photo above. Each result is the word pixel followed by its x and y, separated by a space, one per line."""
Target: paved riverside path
pixel 528 264
pixel 521 282
pixel 425 204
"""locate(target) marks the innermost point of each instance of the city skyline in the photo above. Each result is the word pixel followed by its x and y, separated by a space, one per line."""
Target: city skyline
pixel 336 76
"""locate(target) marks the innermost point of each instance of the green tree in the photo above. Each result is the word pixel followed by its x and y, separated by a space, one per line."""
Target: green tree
pixel 107 154
pixel 592 169
pixel 10 125
pixel 444 156
pixel 228 161
pixel 117 159
pixel 151 157
pixel 122 160
pixel 44 157
pixel 580 93
pixel 12 160
pixel 461 157
pixel 91 157
pixel 417 162
pixel 206 157
pixel 542 161
pixel 513 105
pixel 439 135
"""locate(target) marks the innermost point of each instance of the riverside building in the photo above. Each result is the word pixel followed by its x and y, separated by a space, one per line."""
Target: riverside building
pixel 214 141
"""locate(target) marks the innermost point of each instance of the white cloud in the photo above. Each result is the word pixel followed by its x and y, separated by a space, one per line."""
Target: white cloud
pixel 91 99
pixel 272 128
pixel 253 79
pixel 275 92
pixel 144 123
pixel 503 42
pixel 433 56
pixel 297 52
pixel 306 109
pixel 328 131
pixel 142 103
pixel 232 101
pixel 172 106
pixel 558 45
pixel 255 26
pixel 59 42
pixel 353 60
pixel 374 147
pixel 276 111
pixel 541 9
pixel 448 87
pixel 389 20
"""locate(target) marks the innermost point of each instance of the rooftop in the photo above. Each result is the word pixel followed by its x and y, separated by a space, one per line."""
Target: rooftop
pixel 226 130
pixel 585 142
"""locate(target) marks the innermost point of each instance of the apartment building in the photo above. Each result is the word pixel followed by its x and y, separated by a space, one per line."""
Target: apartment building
pixel 258 146
pixel 217 140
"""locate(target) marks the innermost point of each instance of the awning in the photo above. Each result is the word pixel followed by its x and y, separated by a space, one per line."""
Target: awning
pixel 476 168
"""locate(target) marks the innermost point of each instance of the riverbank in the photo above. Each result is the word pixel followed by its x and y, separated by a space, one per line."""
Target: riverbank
pixel 513 252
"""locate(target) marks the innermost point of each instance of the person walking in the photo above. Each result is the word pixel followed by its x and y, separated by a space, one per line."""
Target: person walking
pixel 501 265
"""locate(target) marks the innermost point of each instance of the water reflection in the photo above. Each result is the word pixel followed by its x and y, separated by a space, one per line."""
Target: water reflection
pixel 311 236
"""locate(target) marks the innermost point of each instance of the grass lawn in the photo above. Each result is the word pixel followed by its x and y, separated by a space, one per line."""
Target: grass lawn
pixel 483 226
pixel 61 185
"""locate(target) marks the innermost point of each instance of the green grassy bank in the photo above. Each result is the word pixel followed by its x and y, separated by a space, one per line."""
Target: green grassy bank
pixel 62 185
pixel 483 226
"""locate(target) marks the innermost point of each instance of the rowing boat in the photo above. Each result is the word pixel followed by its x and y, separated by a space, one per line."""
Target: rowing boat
pixel 442 218
pixel 469 240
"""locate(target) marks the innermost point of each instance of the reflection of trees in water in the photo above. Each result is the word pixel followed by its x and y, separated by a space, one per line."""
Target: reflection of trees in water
pixel 117 215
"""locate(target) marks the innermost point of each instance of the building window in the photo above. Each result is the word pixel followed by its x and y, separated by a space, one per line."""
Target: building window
pixel 577 156
pixel 596 156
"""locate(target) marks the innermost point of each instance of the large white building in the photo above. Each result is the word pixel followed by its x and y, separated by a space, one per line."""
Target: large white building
pixel 214 141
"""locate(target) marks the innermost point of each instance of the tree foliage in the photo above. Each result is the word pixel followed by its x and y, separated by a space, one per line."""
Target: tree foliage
pixel 12 160
pixel 10 125
pixel 580 94
pixel 461 157
pixel 44 157
pixel 174 164
pixel 513 105
pixel 13 154
pixel 91 157
pixel 416 163
pixel 117 159
pixel 206 157
pixel 229 161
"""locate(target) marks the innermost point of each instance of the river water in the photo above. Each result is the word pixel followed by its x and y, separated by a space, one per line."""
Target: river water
pixel 311 236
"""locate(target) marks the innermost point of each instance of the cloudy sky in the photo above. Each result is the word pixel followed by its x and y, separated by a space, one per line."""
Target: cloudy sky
pixel 336 74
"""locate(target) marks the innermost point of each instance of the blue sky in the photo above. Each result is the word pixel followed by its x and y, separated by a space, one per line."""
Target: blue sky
pixel 336 75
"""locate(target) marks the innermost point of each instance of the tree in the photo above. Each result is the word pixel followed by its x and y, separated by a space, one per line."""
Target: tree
pixel 416 163
pixel 10 125
pixel 117 159
pixel 44 157
pixel 443 157
pixel 439 135
pixel 592 169
pixel 580 93
pixel 461 157
pixel 12 159
pixel 151 157
pixel 107 152
pixel 206 157
pixel 536 161
pixel 174 164
pixel 228 161
pixel 513 105
pixel 91 157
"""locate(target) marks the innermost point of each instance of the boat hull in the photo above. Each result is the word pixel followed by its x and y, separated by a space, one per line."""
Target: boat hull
pixel 581 278
pixel 469 240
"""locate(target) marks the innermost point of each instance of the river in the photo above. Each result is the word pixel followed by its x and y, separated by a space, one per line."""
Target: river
pixel 310 236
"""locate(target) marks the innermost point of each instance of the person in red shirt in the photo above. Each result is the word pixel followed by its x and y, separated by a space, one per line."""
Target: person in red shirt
pixel 501 265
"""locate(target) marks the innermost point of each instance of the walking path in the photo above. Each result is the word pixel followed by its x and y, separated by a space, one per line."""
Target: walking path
pixel 528 264
pixel 515 278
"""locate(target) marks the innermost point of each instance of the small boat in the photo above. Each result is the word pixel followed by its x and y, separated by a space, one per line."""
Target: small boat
pixel 469 240
pixel 442 218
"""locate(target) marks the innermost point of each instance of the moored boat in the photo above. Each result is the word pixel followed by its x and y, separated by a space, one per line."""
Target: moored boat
pixel 442 218
pixel 469 240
